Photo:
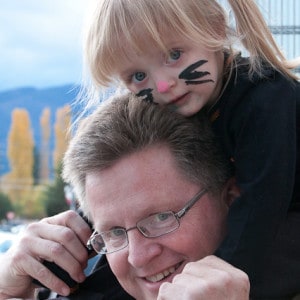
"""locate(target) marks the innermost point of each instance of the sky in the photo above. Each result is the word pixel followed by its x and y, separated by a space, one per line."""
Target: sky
pixel 40 42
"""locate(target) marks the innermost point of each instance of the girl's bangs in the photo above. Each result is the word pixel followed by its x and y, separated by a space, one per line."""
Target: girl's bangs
pixel 138 39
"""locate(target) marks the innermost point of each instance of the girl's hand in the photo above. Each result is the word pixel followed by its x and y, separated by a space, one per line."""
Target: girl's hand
pixel 209 278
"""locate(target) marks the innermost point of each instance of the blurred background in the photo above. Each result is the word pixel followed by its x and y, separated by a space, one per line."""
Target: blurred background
pixel 40 76
pixel 40 63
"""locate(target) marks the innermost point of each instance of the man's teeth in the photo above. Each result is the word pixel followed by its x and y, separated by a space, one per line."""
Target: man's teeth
pixel 161 276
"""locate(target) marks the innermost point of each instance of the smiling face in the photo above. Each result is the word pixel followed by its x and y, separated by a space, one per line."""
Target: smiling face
pixel 137 186
pixel 188 78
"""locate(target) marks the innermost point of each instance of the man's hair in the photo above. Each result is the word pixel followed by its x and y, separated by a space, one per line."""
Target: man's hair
pixel 124 125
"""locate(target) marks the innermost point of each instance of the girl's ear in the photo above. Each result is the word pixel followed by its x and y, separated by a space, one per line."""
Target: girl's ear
pixel 230 191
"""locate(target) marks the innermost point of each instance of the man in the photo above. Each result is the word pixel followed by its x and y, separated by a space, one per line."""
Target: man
pixel 157 190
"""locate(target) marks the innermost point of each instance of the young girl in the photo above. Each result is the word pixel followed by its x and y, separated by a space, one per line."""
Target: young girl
pixel 183 54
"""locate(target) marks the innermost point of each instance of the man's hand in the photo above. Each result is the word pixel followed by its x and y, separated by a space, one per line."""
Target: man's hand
pixel 60 239
pixel 210 279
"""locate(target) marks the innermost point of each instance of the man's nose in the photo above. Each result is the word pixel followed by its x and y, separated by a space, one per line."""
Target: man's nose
pixel 141 250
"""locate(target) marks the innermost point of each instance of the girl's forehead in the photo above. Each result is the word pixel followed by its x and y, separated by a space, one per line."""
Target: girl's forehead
pixel 146 43
pixel 126 51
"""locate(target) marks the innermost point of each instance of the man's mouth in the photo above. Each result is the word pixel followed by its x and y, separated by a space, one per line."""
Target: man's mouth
pixel 162 275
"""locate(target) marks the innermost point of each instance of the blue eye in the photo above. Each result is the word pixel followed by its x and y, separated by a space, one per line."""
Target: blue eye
pixel 139 76
pixel 161 217
pixel 174 55
pixel 117 232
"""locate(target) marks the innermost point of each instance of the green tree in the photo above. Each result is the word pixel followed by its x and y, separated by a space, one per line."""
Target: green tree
pixel 5 205
pixel 36 166
pixel 54 196
pixel 31 205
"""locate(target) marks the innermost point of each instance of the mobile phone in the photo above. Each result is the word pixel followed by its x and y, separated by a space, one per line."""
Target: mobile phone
pixel 61 273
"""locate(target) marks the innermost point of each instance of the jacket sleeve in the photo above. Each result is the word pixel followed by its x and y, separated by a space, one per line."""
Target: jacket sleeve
pixel 101 284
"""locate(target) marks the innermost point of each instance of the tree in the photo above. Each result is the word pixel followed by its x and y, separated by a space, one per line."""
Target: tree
pixel 30 205
pixel 62 137
pixel 45 146
pixel 20 155
pixel 54 195
pixel 36 166
pixel 5 205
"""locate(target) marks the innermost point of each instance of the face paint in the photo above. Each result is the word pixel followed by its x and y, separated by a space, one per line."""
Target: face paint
pixel 189 74
pixel 146 95
pixel 162 86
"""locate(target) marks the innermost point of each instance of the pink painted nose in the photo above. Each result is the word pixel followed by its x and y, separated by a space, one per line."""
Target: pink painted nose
pixel 162 86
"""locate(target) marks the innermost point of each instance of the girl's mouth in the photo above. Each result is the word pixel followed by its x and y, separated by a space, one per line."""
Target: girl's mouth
pixel 178 99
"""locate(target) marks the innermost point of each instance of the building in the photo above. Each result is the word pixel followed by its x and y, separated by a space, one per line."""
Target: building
pixel 283 18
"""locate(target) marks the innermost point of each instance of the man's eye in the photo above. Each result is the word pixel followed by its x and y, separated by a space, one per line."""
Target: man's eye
pixel 161 217
pixel 139 76
pixel 174 55
pixel 117 232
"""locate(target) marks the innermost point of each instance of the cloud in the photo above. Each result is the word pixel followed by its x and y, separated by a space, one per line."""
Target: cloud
pixel 40 42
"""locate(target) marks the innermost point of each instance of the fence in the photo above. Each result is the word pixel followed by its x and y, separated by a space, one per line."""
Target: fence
pixel 283 18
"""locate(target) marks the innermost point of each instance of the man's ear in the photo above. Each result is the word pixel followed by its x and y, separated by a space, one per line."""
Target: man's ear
pixel 230 191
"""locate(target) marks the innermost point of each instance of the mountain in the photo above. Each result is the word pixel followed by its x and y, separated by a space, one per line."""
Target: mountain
pixel 34 101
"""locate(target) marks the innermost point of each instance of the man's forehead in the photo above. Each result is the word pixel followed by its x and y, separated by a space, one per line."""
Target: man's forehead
pixel 145 179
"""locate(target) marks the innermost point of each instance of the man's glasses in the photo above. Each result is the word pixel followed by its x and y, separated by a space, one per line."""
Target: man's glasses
pixel 153 226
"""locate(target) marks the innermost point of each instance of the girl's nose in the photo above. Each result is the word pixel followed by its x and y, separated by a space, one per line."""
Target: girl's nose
pixel 162 86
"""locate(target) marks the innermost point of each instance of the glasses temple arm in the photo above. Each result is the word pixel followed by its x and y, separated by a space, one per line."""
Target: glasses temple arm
pixel 190 204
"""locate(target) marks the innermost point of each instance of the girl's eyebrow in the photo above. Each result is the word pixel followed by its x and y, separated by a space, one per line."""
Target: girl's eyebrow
pixel 174 41
pixel 129 69
pixel 125 73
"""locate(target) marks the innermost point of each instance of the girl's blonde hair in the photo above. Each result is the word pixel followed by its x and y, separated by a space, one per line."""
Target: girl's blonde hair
pixel 115 24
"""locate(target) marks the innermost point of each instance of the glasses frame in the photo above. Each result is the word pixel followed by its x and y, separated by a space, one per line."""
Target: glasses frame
pixel 178 215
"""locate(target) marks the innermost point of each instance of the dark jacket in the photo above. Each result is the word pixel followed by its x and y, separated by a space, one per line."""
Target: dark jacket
pixel 258 124
pixel 101 284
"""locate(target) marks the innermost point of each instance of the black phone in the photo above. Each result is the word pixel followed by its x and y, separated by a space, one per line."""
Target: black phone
pixel 61 273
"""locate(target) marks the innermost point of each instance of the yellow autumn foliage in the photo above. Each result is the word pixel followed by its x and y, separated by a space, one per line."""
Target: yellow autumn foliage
pixel 20 153
pixel 62 136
